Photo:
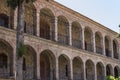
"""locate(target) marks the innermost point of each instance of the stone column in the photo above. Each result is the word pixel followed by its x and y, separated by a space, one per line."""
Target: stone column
pixel 111 48
pixel 94 44
pixel 38 23
pixel 95 73
pixel 15 19
pixel 56 69
pixel 70 34
pixel 14 62
pixel 56 29
pixel 105 70
pixel 83 39
pixel 103 45
pixel 84 69
pixel 71 70
pixel 119 51
pixel 112 70
pixel 38 67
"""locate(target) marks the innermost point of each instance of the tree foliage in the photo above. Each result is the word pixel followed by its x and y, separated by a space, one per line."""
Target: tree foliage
pixel 14 3
pixel 112 78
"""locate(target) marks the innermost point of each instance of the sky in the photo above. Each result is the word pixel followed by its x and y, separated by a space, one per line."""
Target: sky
pixel 105 12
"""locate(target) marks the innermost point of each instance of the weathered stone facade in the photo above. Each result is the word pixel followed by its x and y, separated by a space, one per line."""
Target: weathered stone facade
pixel 61 44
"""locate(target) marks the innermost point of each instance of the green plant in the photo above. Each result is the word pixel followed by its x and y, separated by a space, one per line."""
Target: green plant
pixel 112 78
pixel 21 50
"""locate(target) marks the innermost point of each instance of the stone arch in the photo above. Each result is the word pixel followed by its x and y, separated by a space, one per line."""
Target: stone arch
pixel 109 70
pixel 29 19
pixel 115 49
pixel 9 12
pixel 6 59
pixel 78 69
pixel 29 65
pixel 116 71
pixel 47 65
pixel 90 72
pixel 4 8
pixel 76 34
pixel 47 24
pixel 63 32
pixel 107 46
pixel 88 39
pixel 64 67
pixel 98 42
pixel 100 71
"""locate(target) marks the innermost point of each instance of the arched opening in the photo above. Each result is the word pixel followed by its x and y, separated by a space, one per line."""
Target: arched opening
pixel 6 59
pixel 90 72
pixel 47 65
pixel 63 67
pixel 76 35
pixel 98 42
pixel 88 39
pixel 4 20
pixel 63 30
pixel 116 71
pixel 29 64
pixel 115 51
pixel 29 19
pixel 4 14
pixel 3 60
pixel 107 46
pixel 100 71
pixel 109 70
pixel 47 24
pixel 78 69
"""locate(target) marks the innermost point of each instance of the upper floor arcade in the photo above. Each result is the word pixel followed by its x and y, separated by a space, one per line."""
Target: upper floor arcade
pixel 59 26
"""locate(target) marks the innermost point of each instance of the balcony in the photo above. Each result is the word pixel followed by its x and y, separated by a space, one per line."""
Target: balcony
pixel 98 50
pixel 47 34
pixel 63 39
pixel 77 43
pixel 108 52
pixel 116 55
pixel 89 47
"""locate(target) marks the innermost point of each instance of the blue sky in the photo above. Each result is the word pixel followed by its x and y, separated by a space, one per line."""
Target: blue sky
pixel 105 12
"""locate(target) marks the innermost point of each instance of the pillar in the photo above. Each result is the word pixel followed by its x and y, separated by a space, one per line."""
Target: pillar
pixel 38 23
pixel 112 70
pixel 71 71
pixel 14 62
pixel 56 29
pixel 111 48
pixel 15 19
pixel 83 39
pixel 119 51
pixel 84 68
pixel 95 73
pixel 56 69
pixel 94 44
pixel 70 34
pixel 103 45
pixel 38 67
pixel 105 71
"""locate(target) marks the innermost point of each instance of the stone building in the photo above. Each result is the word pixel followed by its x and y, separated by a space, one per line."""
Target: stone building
pixel 61 44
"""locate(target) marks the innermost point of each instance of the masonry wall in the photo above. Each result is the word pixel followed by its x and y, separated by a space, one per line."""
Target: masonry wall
pixel 55 51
